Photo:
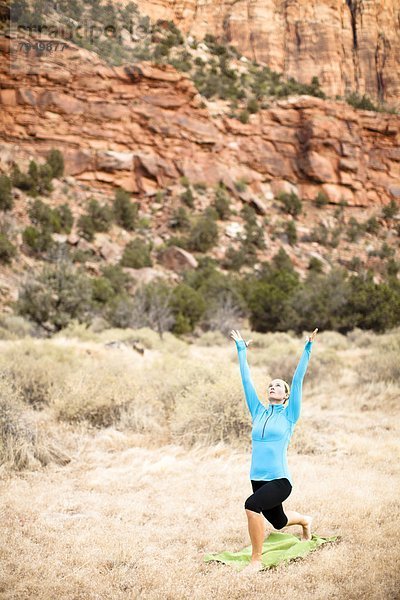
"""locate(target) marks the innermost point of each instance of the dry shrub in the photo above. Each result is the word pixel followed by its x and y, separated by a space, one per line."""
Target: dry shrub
pixel 361 338
pixel 332 339
pixel 313 436
pixel 96 393
pixel 145 336
pixel 77 330
pixel 381 367
pixel 281 362
pixel 213 338
pixel 378 395
pixel 382 362
pixel 211 410
pixel 35 367
pixel 13 327
pixel 278 339
pixel 157 388
pixel 325 365
pixel 22 444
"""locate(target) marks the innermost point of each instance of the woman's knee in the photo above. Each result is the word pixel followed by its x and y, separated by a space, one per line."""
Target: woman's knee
pixel 250 504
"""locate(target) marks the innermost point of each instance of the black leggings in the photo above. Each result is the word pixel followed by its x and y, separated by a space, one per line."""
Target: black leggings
pixel 268 497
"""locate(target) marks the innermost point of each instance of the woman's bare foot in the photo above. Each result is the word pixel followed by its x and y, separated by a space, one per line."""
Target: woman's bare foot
pixel 307 528
pixel 252 568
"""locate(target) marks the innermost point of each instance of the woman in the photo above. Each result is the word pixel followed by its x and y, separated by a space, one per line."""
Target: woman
pixel 272 429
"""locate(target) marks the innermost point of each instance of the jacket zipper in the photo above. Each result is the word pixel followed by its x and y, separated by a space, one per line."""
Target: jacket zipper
pixel 272 410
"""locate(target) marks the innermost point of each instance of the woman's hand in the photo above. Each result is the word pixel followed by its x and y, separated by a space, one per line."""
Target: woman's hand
pixel 312 336
pixel 235 335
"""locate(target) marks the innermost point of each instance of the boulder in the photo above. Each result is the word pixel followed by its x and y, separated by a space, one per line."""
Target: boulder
pixel 281 186
pixel 177 259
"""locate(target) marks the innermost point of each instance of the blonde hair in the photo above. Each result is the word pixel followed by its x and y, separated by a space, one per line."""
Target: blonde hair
pixel 287 388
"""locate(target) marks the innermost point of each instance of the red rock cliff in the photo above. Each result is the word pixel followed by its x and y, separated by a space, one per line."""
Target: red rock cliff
pixel 350 45
pixel 142 127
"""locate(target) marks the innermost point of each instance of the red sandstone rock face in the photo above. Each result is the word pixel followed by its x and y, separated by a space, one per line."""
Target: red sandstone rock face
pixel 143 132
pixel 348 48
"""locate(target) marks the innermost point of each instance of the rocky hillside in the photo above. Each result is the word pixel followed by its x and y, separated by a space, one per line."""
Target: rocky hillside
pixel 146 128
pixel 348 44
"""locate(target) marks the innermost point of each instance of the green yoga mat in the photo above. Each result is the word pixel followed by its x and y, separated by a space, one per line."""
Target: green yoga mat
pixel 277 548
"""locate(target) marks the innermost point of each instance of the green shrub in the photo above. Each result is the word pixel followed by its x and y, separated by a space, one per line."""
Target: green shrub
pixel 102 290
pixel 55 160
pixel 371 305
pixel 119 280
pixel 97 218
pixel 321 199
pixel 137 254
pixel 291 232
pixel 221 202
pixel 7 249
pixel 240 185
pixel 354 230
pixel 43 215
pixel 211 212
pixel 371 225
pixel 86 227
pixel 254 234
pixel 203 234
pixel 361 102
pixel 180 219
pixel 185 181
pixel 355 264
pixel 119 309
pixel 175 240
pixel 244 116
pixel 315 265
pixel 390 210
pixel 200 186
pixel 392 267
pixel 65 218
pixel 188 307
pixel 38 179
pixel 101 215
pixel 38 240
pixel 182 61
pixel 386 251
pixel 19 179
pixel 252 106
pixel 81 256
pixel 291 203
pixel 335 236
pixel 58 294
pixel 235 259
pixel 269 294
pixel 125 212
pixel 281 262
pixel 319 234
pixel 6 198
pixel 320 299
pixel 266 303
pixel 187 197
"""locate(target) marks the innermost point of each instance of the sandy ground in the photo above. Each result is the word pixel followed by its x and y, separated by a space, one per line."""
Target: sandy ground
pixel 135 522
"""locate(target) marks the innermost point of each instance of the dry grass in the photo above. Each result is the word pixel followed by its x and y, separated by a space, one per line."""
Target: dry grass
pixel 152 489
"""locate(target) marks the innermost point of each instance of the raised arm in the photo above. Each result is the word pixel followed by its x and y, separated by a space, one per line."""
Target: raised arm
pixel 250 393
pixel 294 402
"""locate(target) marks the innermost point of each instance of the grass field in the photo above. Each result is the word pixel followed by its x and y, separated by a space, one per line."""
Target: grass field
pixel 121 470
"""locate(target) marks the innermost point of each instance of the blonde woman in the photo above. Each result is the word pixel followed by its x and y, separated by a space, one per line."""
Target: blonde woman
pixel 272 428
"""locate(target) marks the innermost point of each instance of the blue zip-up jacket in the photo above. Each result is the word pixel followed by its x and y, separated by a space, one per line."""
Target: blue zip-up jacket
pixel 273 426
